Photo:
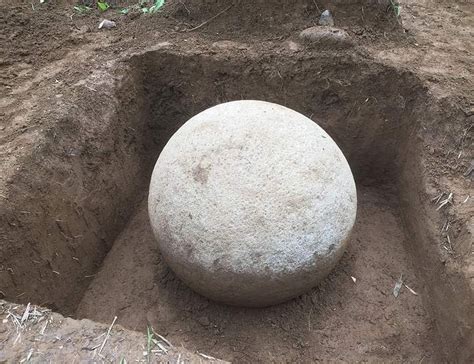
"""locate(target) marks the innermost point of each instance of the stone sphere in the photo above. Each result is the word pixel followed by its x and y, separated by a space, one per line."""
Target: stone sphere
pixel 251 203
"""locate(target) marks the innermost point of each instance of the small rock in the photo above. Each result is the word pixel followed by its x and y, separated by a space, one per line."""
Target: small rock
pixel 107 24
pixel 326 19
pixel 328 35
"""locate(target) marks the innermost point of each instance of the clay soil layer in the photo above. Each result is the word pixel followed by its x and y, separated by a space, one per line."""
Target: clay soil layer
pixel 85 113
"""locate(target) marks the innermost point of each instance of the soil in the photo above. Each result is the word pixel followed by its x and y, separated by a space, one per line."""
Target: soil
pixel 341 320
pixel 85 113
pixel 42 336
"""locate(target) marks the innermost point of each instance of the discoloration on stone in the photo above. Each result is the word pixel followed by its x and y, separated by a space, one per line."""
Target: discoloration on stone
pixel 201 173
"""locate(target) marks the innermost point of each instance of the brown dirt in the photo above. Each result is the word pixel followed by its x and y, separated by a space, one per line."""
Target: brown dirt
pixel 84 114
pixel 47 337
pixel 340 320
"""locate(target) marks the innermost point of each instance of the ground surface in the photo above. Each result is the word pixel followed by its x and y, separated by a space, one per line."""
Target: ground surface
pixel 36 335
pixel 341 320
pixel 51 57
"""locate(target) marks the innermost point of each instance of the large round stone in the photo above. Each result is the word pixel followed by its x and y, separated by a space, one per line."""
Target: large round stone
pixel 251 203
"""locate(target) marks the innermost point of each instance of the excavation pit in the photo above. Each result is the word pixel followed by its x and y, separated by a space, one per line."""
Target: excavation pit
pixel 78 206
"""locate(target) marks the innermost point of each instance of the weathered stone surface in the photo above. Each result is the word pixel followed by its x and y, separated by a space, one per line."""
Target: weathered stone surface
pixel 328 36
pixel 251 203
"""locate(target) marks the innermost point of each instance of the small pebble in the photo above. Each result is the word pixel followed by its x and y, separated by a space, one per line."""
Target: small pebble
pixel 326 19
pixel 107 24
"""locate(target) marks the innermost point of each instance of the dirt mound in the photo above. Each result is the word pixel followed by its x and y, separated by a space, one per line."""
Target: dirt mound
pixel 239 16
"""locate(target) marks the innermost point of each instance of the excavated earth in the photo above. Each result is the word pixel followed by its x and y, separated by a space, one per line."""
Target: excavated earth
pixel 85 113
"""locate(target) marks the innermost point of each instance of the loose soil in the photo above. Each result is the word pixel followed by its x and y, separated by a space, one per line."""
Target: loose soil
pixel 85 113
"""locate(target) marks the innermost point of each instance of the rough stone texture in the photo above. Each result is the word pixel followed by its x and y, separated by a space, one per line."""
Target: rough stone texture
pixel 252 203
pixel 328 36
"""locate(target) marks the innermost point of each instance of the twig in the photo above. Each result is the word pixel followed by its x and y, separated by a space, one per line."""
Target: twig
pixel 411 290
pixel 206 356
pixel 30 353
pixel 210 19
pixel 162 338
pixel 26 314
pixel 15 320
pixel 446 226
pixel 450 246
pixel 437 198
pixel 162 348
pixel 108 334
pixel 17 338
pixel 446 201
pixel 44 328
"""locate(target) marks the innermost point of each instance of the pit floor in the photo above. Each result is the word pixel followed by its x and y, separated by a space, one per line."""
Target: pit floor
pixel 340 320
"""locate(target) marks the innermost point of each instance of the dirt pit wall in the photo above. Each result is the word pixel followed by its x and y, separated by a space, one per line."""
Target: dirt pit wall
pixel 69 200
